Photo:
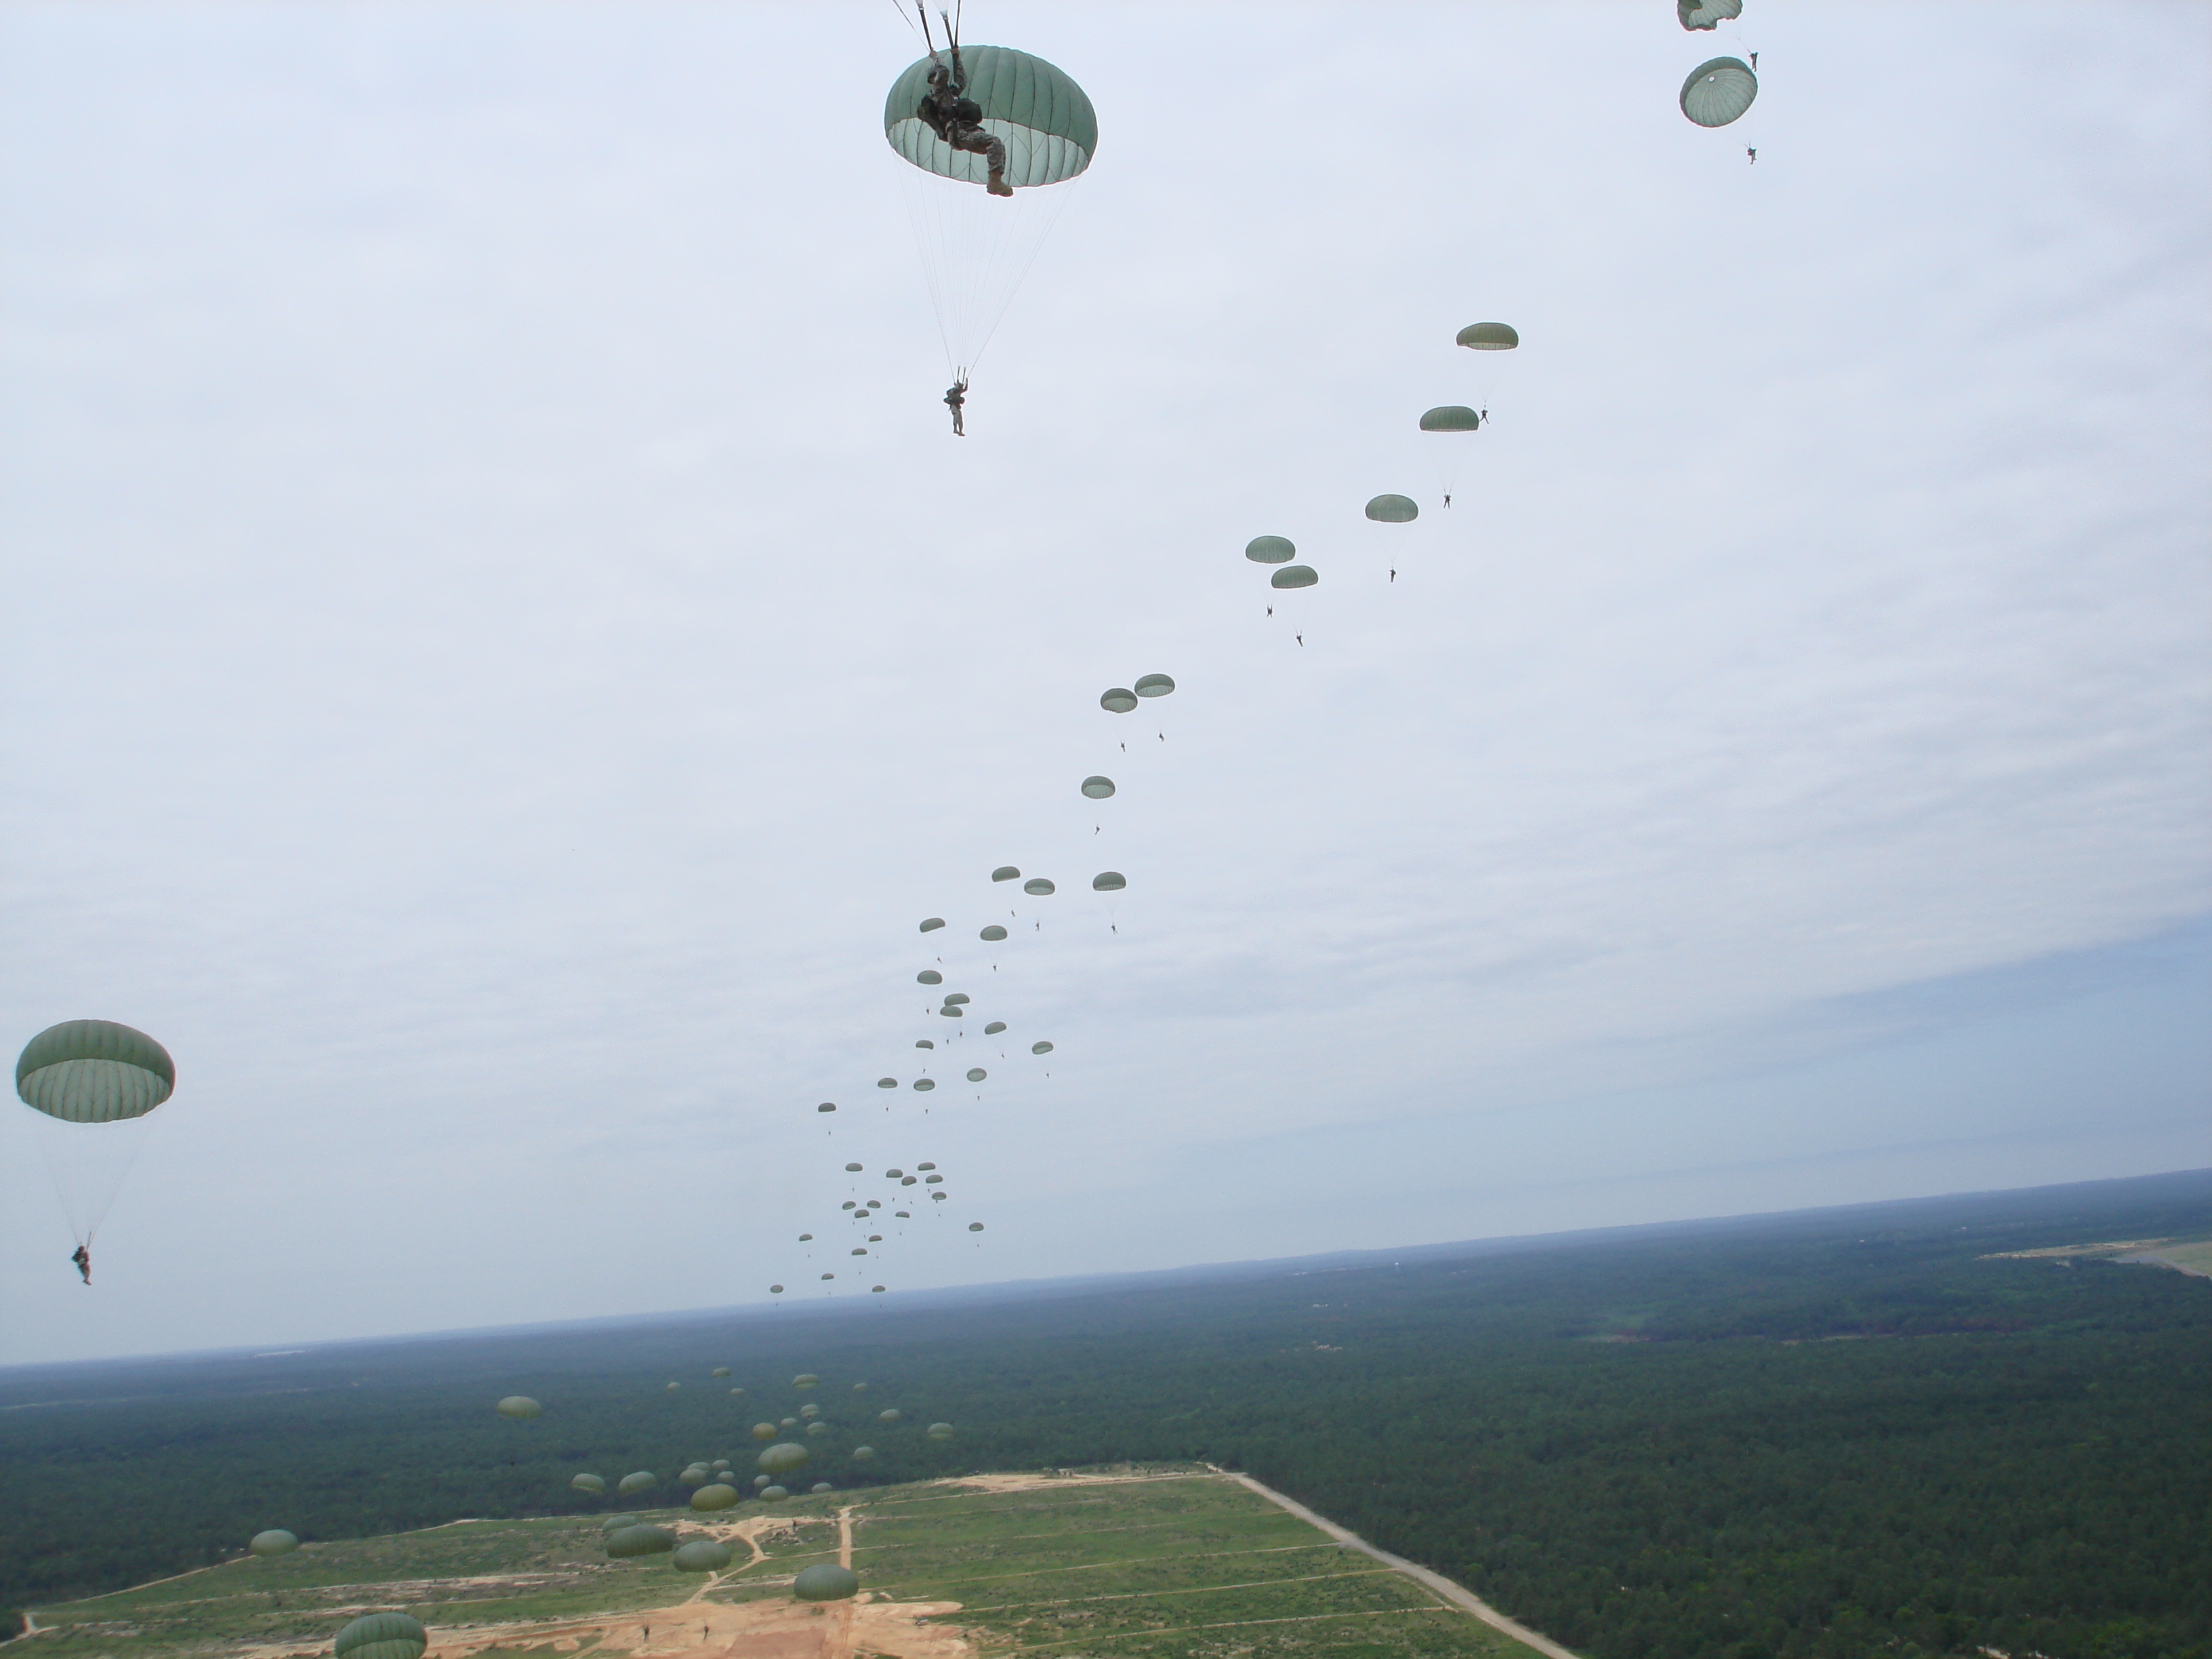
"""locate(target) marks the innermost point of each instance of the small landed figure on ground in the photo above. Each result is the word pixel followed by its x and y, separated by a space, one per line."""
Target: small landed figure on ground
pixel 955 399
pixel 81 1259
pixel 958 120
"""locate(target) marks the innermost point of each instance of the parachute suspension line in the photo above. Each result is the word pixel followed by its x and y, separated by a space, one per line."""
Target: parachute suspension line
pixel 976 250
pixel 88 1163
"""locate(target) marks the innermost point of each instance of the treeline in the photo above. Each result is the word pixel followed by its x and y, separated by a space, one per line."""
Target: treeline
pixel 1813 1437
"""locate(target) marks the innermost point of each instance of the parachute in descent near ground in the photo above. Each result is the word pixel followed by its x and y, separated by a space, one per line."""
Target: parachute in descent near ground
pixel 1706 14
pixel 1394 509
pixel 976 248
pixel 1718 91
pixel 275 1541
pixel 590 1483
pixel 702 1554
pixel 825 1581
pixel 519 1406
pixel 92 1084
pixel 389 1635
pixel 641 1539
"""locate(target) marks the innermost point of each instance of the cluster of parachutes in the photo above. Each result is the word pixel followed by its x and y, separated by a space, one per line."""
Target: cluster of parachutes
pixel 1392 507
pixel 862 1215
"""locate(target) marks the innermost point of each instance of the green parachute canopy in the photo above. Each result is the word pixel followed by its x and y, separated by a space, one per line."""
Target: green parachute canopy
pixel 975 1226
pixel 825 1581
pixel 933 924
pixel 976 1075
pixel 702 1554
pixel 923 1085
pixel 519 1406
pixel 955 999
pixel 862 1454
pixel 806 1380
pixel 717 1495
pixel 1038 888
pixel 771 1494
pixel 1039 1048
pixel 892 1415
pixel 1450 418
pixel 1120 700
pixel 591 1483
pixel 1109 881
pixel 821 1486
pixel 1706 14
pixel 939 1432
pixel 992 935
pixel 995 1028
pixel 889 1082
pixel 1394 509
pixel 1493 337
pixel 1270 550
pixel 1005 872
pixel 1294 575
pixel 94 1071
pixel 381 1636
pixel 720 1371
pixel 1097 788
pixel 643 1481
pixel 633 1542
pixel 783 1457
pixel 275 1541
pixel 827 1106
pixel 763 1430
pixel 852 1168
pixel 1045 120
pixel 1718 91
pixel 614 1524
pixel 929 977
pixel 1154 685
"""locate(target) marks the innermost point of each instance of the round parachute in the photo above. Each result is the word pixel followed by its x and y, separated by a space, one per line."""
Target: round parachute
pixel 995 1028
pixel 923 1086
pixel 929 977
pixel 720 1371
pixel 891 1416
pixel 381 1636
pixel 643 1481
pixel 763 1430
pixel 1118 701
pixel 806 1380
pixel 590 1483
pixel 825 1581
pixel 1294 575
pixel 1718 91
pixel 1450 418
pixel 1270 550
pixel 1491 337
pixel 275 1541
pixel 633 1542
pixel 1039 888
pixel 992 935
pixel 94 1071
pixel 1706 14
pixel 862 1454
pixel 889 1082
pixel 783 1457
pixel 719 1496
pixel 976 1075
pixel 1097 788
pixel 612 1524
pixel 975 1226
pixel 1109 881
pixel 939 1432
pixel 1394 509
pixel 702 1554
pixel 519 1406
pixel 1005 872
pixel 1154 685
pixel 1039 1048
pixel 933 924
pixel 827 1106
pixel 1044 119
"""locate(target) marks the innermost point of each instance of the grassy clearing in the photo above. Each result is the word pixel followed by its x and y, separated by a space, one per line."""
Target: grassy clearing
pixel 1179 1564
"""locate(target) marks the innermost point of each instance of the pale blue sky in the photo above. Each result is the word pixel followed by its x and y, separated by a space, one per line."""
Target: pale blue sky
pixel 506 648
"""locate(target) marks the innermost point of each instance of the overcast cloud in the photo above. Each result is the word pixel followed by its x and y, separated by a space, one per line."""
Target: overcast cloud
pixel 505 649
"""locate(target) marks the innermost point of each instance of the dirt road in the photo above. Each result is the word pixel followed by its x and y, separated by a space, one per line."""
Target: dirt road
pixel 1435 1583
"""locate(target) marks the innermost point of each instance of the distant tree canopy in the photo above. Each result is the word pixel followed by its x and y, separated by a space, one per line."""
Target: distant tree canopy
pixel 1832 1435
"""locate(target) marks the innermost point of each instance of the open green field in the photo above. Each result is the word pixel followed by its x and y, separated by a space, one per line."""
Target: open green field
pixel 1164 1564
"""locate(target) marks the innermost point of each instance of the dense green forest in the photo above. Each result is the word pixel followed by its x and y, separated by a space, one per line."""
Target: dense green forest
pixel 1838 1433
